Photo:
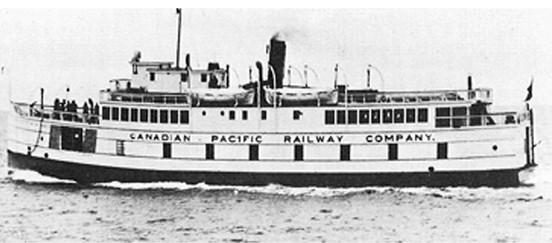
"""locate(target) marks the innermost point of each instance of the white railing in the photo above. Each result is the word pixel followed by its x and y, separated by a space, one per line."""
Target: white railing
pixel 353 97
pixel 151 98
pixel 48 112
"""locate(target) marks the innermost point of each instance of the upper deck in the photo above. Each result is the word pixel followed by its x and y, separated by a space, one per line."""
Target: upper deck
pixel 346 98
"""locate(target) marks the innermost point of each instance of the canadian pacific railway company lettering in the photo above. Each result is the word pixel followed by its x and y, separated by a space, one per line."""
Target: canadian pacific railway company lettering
pixel 286 139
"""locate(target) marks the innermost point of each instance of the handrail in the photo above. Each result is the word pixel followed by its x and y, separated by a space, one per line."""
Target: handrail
pixel 49 113
pixel 362 97
pixel 180 98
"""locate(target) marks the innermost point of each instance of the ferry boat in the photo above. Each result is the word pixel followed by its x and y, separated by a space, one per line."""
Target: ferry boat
pixel 172 123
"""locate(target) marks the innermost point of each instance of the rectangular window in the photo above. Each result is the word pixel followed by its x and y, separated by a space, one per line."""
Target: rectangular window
pixel 410 115
pixel 422 115
pixel 105 113
pixel 134 114
pixel 442 117
pixel 460 116
pixel 164 116
pixel 115 113
pixel 442 150
pixel 152 76
pixel 134 69
pixel 298 152
pixel 393 151
pixel 340 117
pixel 120 147
pixel 345 152
pixel 364 116
pixel 184 117
pixel 184 77
pixel 209 151
pixel 297 115
pixel 244 115
pixel 124 114
pixel 376 116
pixel 203 77
pixel 154 116
pixel 398 116
pixel 232 115
pixel 330 117
pixel 253 152
pixel 353 116
pixel 167 150
pixel 263 115
pixel 387 116
pixel 174 117
pixel 143 115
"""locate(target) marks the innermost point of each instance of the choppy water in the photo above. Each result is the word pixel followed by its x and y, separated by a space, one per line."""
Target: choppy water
pixel 36 208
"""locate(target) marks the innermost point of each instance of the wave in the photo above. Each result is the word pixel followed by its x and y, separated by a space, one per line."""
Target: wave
pixel 522 193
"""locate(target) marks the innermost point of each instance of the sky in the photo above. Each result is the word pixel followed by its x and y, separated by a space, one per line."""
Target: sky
pixel 413 49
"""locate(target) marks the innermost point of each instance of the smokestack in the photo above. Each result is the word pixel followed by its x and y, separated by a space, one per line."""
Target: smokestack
pixel 276 59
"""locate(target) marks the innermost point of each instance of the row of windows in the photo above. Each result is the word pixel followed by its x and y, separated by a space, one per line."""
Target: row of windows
pixel 298 154
pixel 376 116
pixel 145 115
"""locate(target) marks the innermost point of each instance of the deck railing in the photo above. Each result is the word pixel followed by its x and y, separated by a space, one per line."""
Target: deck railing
pixel 354 97
pixel 48 112
pixel 151 98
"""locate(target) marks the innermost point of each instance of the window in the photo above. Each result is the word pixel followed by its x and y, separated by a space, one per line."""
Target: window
pixel 244 115
pixel 263 115
pixel 184 117
pixel 353 115
pixel 459 116
pixel 167 150
pixel 152 76
pixel 298 152
pixel 174 117
pixel 387 116
pixel 153 116
pixel 184 77
pixel 143 115
pixel 393 151
pixel 253 152
pixel 115 113
pixel 232 115
pixel 124 114
pixel 330 117
pixel 105 113
pixel 364 116
pixel 134 69
pixel 376 116
pixel 203 77
pixel 422 115
pixel 410 115
pixel 164 116
pixel 345 152
pixel 398 116
pixel 442 117
pixel 297 115
pixel 209 151
pixel 134 114
pixel 442 150
pixel 340 117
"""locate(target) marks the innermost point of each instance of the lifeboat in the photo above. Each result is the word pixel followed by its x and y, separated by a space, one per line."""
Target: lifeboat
pixel 301 95
pixel 230 96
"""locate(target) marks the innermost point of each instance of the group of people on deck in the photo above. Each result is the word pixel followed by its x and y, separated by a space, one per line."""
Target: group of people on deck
pixel 69 111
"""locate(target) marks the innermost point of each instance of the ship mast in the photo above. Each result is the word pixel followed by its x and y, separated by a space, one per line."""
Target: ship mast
pixel 179 13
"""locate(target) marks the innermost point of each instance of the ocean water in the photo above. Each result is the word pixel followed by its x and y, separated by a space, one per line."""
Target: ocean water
pixel 34 208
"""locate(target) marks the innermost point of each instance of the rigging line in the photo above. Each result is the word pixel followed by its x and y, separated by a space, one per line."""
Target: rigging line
pixel 39 133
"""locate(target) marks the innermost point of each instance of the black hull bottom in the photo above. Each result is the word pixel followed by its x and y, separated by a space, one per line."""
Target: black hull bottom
pixel 86 174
